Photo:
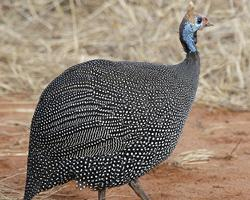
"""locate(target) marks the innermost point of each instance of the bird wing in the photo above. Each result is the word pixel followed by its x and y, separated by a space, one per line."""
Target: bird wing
pixel 77 117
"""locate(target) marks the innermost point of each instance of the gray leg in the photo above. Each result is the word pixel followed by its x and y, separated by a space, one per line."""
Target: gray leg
pixel 101 194
pixel 138 190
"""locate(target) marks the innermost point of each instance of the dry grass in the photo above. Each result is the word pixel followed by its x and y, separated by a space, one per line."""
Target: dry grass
pixel 9 191
pixel 198 156
pixel 40 39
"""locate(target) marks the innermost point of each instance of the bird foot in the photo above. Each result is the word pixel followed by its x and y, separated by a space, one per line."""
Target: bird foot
pixel 101 194
pixel 138 190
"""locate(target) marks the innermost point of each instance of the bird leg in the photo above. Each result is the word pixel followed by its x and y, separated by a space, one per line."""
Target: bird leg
pixel 138 190
pixel 101 194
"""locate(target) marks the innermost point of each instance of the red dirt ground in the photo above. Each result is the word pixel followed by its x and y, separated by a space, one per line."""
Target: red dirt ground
pixel 224 176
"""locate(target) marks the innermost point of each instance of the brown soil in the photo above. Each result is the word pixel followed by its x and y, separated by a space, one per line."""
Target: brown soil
pixel 224 176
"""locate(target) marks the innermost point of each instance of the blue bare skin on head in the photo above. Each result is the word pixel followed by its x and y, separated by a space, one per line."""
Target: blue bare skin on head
pixel 189 33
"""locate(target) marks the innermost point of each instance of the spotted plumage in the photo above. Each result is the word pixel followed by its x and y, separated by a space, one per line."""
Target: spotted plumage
pixel 105 123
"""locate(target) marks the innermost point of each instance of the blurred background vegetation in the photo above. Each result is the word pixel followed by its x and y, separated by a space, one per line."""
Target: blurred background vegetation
pixel 40 39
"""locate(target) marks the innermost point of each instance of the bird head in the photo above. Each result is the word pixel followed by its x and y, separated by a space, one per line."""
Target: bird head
pixel 191 23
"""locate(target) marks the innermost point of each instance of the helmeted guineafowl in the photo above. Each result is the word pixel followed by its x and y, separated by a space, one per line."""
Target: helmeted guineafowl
pixel 104 123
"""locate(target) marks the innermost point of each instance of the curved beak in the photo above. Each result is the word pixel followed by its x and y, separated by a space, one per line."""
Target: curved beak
pixel 206 22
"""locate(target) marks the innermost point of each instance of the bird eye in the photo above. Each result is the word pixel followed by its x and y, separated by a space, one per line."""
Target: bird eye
pixel 199 20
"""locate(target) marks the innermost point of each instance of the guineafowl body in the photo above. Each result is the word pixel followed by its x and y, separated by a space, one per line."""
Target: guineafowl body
pixel 104 123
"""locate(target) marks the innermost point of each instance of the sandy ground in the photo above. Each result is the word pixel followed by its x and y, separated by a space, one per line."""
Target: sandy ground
pixel 225 175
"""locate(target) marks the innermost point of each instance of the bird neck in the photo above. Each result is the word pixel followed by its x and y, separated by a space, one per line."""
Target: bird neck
pixel 192 65
pixel 193 57
pixel 188 36
pixel 189 68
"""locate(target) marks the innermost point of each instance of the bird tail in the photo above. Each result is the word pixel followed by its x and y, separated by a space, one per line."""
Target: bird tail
pixel 30 187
